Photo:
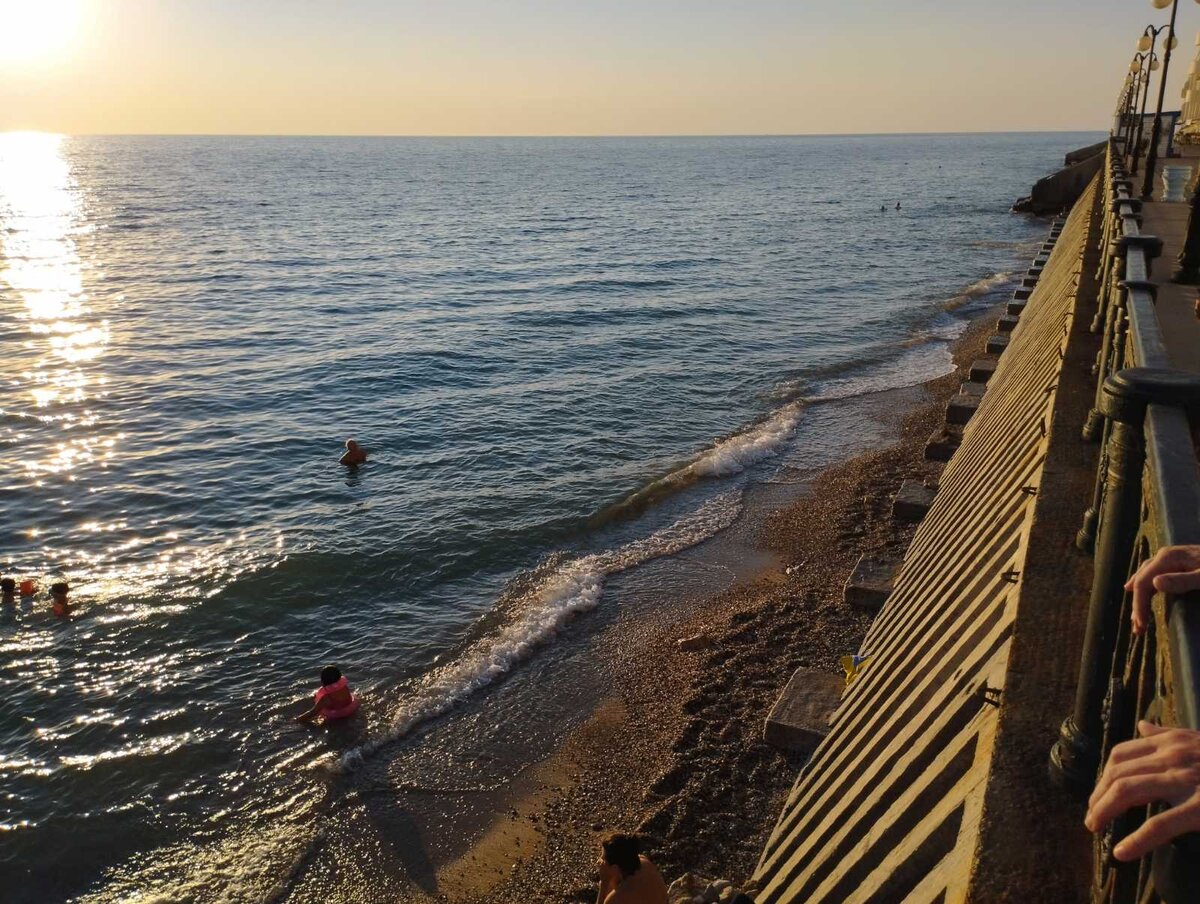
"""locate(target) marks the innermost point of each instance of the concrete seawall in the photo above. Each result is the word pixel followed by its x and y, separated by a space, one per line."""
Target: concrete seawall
pixel 895 802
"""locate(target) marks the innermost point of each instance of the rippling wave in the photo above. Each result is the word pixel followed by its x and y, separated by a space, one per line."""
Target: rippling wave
pixel 570 358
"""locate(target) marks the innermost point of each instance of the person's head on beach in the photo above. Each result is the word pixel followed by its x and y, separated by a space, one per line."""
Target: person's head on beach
pixel 331 674
pixel 622 852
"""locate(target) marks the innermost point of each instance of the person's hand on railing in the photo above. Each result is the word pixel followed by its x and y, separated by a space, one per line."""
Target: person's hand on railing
pixel 1173 569
pixel 1162 766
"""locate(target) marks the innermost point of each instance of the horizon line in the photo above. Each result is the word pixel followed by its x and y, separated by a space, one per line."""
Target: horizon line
pixel 481 135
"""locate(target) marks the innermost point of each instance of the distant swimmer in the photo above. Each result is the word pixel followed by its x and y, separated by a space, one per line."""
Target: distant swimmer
pixel 897 205
pixel 8 591
pixel 58 599
pixel 882 208
pixel 626 876
pixel 334 699
pixel 354 455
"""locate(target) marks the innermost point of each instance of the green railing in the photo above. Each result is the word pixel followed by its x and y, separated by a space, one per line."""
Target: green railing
pixel 1147 496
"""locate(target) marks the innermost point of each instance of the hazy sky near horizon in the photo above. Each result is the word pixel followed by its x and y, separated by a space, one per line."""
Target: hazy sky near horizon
pixel 556 67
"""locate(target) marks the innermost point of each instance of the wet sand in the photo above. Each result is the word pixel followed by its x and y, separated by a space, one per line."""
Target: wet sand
pixel 675 750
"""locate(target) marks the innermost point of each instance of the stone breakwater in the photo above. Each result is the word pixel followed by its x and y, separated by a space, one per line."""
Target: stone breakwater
pixel 894 802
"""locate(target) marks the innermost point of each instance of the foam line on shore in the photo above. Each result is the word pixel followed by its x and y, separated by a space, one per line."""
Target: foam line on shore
pixel 725 458
pixel 564 591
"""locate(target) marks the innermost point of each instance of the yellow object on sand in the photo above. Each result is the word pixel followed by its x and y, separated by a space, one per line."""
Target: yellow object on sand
pixel 853 666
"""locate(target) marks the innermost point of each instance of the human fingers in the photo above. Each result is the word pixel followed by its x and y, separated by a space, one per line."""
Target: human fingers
pixel 1159 829
pixel 1154 762
pixel 1137 791
pixel 1177 582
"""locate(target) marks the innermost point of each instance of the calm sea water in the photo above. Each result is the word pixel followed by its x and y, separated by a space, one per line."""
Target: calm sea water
pixel 569 358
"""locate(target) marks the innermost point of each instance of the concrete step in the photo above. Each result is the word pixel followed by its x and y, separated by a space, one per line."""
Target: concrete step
pixel 943 443
pixel 1007 323
pixel 799 720
pixel 997 344
pixel 912 501
pixel 871 582
pixel 1022 294
pixel 1034 271
pixel 1029 282
pixel 1016 308
pixel 973 388
pixel 961 408
pixel 982 369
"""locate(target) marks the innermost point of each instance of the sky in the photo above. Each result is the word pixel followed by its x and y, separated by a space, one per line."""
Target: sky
pixel 570 67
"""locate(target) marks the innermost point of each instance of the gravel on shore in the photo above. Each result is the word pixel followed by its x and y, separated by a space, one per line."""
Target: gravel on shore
pixel 675 752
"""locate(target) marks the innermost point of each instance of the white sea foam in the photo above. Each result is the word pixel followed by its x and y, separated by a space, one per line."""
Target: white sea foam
pixel 734 455
pixel 979 288
pixel 563 593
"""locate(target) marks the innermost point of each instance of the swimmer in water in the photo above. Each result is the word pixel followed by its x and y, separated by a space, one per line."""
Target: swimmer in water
pixel 897 205
pixel 334 700
pixel 58 599
pixel 354 455
pixel 8 591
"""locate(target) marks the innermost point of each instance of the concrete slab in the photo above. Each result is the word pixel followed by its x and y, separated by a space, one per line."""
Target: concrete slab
pixel 870 584
pixel 982 369
pixel 943 442
pixel 912 501
pixel 997 344
pixel 1022 294
pixel 1029 282
pixel 961 408
pixel 1016 308
pixel 973 388
pixel 799 720
pixel 1007 323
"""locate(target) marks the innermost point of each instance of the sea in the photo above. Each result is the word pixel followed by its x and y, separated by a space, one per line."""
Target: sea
pixel 573 361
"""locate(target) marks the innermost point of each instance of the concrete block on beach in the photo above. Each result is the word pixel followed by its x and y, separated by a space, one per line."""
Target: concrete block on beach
pixel 997 344
pixel 1016 308
pixel 799 720
pixel 1029 282
pixel 912 501
pixel 973 388
pixel 961 408
pixel 1022 294
pixel 870 584
pixel 943 443
pixel 982 369
pixel 1007 323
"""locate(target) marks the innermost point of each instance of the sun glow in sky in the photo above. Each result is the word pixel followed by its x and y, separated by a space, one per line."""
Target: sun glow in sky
pixel 34 32
pixel 548 67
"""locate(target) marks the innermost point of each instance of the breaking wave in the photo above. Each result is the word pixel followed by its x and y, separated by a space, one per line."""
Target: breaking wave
pixel 560 591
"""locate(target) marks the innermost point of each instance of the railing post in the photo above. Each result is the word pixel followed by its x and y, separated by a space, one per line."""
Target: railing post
pixel 1075 758
pixel 1076 755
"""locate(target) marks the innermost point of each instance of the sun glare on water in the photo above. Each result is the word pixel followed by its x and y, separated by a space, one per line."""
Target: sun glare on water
pixel 34 31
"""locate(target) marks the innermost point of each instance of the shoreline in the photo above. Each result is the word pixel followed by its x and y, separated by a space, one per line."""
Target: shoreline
pixel 675 750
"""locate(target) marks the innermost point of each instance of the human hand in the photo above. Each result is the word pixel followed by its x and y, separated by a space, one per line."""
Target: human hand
pixel 1174 569
pixel 1161 766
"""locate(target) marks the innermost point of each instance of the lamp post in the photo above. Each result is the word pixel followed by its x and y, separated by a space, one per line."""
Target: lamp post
pixel 1146 45
pixel 1156 130
pixel 1146 63
pixel 1126 104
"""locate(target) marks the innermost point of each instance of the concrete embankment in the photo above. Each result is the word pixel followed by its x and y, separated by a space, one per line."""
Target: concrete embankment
pixel 1058 191
pixel 929 773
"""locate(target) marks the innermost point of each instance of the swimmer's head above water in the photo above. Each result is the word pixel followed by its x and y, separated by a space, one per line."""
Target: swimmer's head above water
pixel 331 674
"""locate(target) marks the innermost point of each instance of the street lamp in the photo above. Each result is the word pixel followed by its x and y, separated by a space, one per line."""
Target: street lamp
pixel 1146 44
pixel 1156 130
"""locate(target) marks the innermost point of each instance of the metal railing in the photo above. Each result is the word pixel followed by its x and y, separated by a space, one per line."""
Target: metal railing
pixel 1147 496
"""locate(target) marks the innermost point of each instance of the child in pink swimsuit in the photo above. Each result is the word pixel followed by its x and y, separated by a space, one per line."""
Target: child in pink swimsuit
pixel 334 700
